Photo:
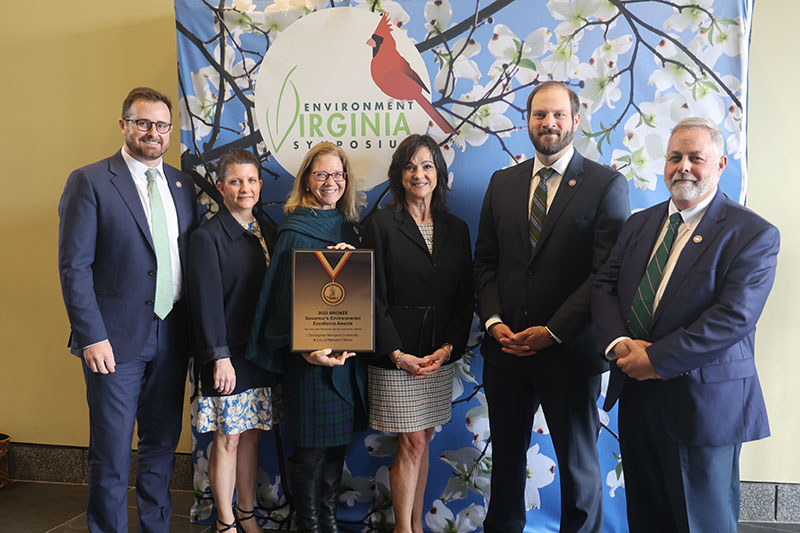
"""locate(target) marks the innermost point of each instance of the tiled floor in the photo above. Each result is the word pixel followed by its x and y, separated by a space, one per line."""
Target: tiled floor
pixel 35 507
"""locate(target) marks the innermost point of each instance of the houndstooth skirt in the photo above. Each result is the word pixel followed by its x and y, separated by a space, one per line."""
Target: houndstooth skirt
pixel 401 404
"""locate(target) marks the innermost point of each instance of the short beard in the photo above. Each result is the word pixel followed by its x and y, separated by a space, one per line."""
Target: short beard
pixel 688 192
pixel 564 140
pixel 144 151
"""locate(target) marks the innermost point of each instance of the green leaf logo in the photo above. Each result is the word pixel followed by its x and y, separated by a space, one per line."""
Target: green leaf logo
pixel 277 147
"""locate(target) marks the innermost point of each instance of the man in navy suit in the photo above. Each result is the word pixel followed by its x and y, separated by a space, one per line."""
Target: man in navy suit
pixel 123 231
pixel 681 333
pixel 546 227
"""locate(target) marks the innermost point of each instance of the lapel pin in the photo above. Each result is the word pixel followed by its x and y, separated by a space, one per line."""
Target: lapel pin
pixel 571 183
pixel 697 239
pixel 179 184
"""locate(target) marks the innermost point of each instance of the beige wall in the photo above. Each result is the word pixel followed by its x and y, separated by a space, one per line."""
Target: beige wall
pixel 67 67
pixel 773 193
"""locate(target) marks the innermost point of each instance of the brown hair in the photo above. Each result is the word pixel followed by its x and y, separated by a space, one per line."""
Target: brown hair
pixel 574 101
pixel 144 93
pixel 234 156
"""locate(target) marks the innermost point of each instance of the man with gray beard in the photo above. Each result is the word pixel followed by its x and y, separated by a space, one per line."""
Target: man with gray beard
pixel 675 309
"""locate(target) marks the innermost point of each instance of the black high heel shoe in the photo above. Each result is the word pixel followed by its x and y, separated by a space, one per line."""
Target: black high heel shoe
pixel 225 527
pixel 246 515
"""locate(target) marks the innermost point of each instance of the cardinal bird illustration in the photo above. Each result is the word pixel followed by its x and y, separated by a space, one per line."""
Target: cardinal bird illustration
pixel 395 77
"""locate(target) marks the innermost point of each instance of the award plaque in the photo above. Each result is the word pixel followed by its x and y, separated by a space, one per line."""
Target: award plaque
pixel 333 300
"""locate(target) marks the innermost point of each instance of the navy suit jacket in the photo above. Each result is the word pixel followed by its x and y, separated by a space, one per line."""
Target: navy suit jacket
pixel 551 287
pixel 106 257
pixel 704 326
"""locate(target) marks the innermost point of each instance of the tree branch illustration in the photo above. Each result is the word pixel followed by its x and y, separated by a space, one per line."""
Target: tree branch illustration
pixel 464 25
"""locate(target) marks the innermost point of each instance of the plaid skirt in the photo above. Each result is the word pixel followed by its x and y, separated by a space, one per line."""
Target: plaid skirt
pixel 401 404
pixel 315 415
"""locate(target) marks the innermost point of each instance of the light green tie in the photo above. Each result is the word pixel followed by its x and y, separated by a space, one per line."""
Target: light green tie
pixel 158 228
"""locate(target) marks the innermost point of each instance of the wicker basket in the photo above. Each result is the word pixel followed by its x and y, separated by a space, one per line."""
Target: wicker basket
pixel 5 440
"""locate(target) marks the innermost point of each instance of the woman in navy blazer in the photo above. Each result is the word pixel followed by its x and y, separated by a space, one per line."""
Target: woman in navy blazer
pixel 228 258
pixel 423 307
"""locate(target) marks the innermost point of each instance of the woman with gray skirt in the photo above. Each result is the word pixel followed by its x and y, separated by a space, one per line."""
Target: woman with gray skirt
pixel 424 303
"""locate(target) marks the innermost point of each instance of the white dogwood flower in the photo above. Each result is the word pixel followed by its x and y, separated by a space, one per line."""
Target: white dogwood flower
pixel 516 56
pixel 689 16
pixel 440 518
pixel 540 473
pixel 438 14
pixel 456 64
pixel 575 13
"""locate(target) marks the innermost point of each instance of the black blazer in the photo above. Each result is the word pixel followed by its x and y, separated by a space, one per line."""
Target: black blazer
pixel 226 269
pixel 551 287
pixel 421 300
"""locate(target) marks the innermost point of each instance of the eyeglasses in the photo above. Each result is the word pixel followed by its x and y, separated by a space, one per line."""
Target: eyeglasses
pixel 142 124
pixel 322 176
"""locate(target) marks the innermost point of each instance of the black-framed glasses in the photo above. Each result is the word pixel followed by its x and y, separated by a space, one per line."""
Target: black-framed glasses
pixel 142 124
pixel 323 176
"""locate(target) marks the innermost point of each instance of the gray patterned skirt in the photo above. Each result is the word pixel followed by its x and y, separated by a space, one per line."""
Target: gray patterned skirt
pixel 401 404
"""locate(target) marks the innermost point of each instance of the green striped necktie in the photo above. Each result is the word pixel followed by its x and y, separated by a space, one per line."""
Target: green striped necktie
pixel 538 207
pixel 642 307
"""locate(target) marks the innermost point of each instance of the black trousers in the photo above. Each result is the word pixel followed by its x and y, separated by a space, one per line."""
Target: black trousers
pixel 570 408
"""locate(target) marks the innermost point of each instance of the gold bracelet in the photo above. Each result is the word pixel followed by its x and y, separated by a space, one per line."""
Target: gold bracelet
pixel 399 361
pixel 449 349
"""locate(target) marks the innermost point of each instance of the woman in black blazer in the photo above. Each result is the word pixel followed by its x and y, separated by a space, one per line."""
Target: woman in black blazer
pixel 228 257
pixel 424 304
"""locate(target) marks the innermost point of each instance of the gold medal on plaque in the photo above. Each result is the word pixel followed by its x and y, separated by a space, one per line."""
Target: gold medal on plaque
pixel 333 293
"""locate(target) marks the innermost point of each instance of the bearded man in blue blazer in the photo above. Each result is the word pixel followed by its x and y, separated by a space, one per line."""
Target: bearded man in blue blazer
pixel 676 307
pixel 546 227
pixel 123 231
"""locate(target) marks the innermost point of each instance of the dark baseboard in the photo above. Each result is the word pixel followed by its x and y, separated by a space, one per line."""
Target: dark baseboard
pixel 67 464
pixel 761 501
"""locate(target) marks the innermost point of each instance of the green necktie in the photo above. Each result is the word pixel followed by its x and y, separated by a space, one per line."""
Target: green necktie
pixel 158 228
pixel 538 206
pixel 642 307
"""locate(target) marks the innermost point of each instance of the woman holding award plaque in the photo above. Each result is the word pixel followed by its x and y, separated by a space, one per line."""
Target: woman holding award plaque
pixel 423 307
pixel 323 392
pixel 228 256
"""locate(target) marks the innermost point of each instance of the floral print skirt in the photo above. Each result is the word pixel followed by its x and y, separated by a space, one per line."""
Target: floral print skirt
pixel 237 413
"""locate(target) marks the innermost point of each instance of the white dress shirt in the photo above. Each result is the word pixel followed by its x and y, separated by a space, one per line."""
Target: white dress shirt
pixel 553 182
pixel 690 219
pixel 137 170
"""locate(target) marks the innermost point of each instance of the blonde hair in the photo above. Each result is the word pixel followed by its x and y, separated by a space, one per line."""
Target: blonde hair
pixel 301 195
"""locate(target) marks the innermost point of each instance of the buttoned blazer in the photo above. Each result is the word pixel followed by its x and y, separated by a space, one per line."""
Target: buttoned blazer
pixel 410 283
pixel 704 326
pixel 551 286
pixel 226 269
pixel 106 257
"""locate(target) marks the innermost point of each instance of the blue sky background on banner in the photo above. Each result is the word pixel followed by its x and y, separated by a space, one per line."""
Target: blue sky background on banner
pixel 639 67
